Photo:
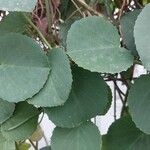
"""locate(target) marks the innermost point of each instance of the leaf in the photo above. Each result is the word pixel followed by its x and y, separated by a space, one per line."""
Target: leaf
pixel 123 135
pixel 13 22
pixel 93 43
pixel 145 2
pixel 85 137
pixel 139 105
pixel 22 124
pixel 6 145
pixel 58 86
pixel 6 110
pixel 142 36
pixel 18 5
pixel 88 98
pixel 127 26
pixel 64 28
pixel 24 146
pixel 23 67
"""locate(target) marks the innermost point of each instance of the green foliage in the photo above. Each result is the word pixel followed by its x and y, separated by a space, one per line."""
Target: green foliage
pixel 57 60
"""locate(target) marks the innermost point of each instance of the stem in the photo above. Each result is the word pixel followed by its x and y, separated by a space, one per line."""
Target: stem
pixel 17 147
pixel 45 139
pixel 119 91
pixel 72 15
pixel 41 118
pixel 37 145
pixel 138 4
pixel 78 9
pixel 49 13
pixel 95 120
pixel 115 97
pixel 81 2
pixel 33 145
pixel 37 30
pixel 125 102
pixel 121 10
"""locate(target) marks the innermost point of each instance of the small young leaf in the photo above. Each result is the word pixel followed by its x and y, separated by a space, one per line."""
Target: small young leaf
pixel 22 124
pixel 127 26
pixel 24 67
pixel 123 135
pixel 24 146
pixel 58 86
pixel 145 2
pixel 139 104
pixel 84 137
pixel 64 28
pixel 94 44
pixel 89 97
pixel 18 5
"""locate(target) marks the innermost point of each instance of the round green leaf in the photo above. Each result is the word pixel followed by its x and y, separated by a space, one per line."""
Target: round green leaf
pixel 84 137
pixel 142 36
pixel 13 22
pixel 139 105
pixel 18 5
pixel 123 135
pixel 94 44
pixel 127 23
pixel 6 145
pixel 22 124
pixel 58 86
pixel 6 110
pixel 23 67
pixel 88 98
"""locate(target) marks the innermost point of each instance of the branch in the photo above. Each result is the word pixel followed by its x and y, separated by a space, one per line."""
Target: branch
pixel 49 14
pixel 37 30
pixel 78 9
pixel 81 2
pixel 121 9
